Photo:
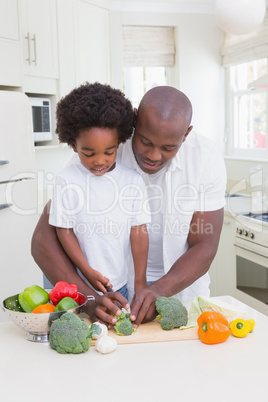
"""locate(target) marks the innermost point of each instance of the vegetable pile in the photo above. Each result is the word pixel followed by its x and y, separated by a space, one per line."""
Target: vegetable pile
pixel 215 322
pixel 35 299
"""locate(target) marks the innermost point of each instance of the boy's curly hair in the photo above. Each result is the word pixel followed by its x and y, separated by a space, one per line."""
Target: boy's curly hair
pixel 93 105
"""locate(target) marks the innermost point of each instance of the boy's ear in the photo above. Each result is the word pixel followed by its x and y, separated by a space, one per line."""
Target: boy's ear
pixel 135 117
pixel 74 147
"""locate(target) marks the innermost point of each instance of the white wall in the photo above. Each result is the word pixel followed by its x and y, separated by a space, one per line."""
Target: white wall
pixel 198 73
pixel 49 161
pixel 239 173
pixel 198 70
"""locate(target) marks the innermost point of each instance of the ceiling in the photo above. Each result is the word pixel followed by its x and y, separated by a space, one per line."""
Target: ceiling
pixel 166 6
pixel 177 6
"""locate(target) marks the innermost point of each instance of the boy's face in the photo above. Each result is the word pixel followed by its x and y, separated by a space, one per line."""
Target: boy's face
pixel 97 149
pixel 156 141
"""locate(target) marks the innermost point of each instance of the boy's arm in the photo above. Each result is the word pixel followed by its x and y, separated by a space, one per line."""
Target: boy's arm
pixel 139 240
pixel 72 248
pixel 56 265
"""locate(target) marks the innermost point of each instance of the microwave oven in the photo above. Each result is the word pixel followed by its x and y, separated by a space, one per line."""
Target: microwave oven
pixel 41 113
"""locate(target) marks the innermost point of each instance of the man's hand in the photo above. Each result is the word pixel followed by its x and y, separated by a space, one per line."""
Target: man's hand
pixel 104 306
pixel 143 305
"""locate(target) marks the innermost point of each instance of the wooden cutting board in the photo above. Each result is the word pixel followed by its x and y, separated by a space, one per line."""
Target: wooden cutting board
pixel 152 332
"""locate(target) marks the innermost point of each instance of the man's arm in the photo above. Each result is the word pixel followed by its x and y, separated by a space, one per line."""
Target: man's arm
pixel 203 240
pixel 53 261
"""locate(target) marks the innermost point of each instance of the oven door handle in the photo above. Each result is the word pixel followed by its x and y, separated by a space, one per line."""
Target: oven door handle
pixel 250 250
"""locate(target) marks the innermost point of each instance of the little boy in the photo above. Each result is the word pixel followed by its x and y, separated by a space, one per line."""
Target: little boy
pixel 98 206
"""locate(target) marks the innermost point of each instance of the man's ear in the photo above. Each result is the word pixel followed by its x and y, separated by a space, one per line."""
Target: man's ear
pixel 135 117
pixel 187 132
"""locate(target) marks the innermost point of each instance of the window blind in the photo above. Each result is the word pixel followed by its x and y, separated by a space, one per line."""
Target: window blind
pixel 148 46
pixel 238 49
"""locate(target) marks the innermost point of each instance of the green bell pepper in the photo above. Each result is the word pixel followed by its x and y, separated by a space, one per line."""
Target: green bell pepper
pixel 33 297
pixel 12 303
pixel 66 303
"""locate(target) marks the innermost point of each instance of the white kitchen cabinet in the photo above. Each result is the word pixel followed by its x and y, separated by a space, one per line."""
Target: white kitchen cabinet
pixel 39 38
pixel 83 42
pixel 18 215
pixel 18 195
pixel 92 43
pixel 223 271
pixel 10 47
pixel 9 20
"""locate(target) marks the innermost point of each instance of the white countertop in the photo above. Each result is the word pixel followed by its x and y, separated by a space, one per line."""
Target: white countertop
pixel 164 371
pixel 238 205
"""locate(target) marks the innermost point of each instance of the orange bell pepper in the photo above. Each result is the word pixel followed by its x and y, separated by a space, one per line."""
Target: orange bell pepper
pixel 213 328
pixel 44 308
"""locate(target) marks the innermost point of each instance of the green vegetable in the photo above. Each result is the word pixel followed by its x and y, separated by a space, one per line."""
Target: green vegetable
pixel 33 297
pixel 201 304
pixel 124 325
pixel 12 303
pixel 171 312
pixel 69 334
pixel 66 303
pixel 207 304
pixel 95 330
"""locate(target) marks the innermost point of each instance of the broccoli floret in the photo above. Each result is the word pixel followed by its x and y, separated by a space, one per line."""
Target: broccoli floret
pixel 94 329
pixel 69 334
pixel 171 313
pixel 124 325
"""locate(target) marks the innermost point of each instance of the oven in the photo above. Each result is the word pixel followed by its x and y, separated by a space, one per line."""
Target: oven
pixel 251 245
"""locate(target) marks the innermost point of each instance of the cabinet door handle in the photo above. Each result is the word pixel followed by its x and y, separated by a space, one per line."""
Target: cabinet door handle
pixel 4 162
pixel 5 206
pixel 29 48
pixel 34 60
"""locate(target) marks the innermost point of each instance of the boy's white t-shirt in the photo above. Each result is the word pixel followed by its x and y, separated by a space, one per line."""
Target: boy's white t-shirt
pixel 101 210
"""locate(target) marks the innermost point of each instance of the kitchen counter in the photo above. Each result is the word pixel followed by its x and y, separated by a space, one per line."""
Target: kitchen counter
pixel 238 205
pixel 165 371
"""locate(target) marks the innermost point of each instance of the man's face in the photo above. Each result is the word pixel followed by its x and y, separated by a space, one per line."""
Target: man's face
pixel 156 141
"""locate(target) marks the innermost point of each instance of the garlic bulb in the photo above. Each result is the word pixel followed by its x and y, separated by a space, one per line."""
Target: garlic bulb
pixel 103 330
pixel 105 344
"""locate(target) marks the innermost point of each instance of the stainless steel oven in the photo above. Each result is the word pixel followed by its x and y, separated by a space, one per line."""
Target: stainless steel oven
pixel 251 245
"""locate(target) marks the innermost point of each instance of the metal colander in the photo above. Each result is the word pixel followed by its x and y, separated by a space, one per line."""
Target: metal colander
pixel 37 326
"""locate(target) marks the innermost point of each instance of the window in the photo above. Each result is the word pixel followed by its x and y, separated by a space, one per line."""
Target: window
pixel 138 80
pixel 248 111
pixel 246 60
pixel 148 57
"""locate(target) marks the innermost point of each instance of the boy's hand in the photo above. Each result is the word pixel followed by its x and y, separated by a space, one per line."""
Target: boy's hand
pixel 99 281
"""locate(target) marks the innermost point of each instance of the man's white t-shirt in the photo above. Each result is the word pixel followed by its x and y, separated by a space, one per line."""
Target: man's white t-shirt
pixel 101 210
pixel 155 184
pixel 194 180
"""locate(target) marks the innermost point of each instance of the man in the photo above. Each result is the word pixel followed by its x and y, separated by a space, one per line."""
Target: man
pixel 185 178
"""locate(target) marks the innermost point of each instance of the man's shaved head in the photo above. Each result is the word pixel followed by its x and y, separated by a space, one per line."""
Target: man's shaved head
pixel 169 103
